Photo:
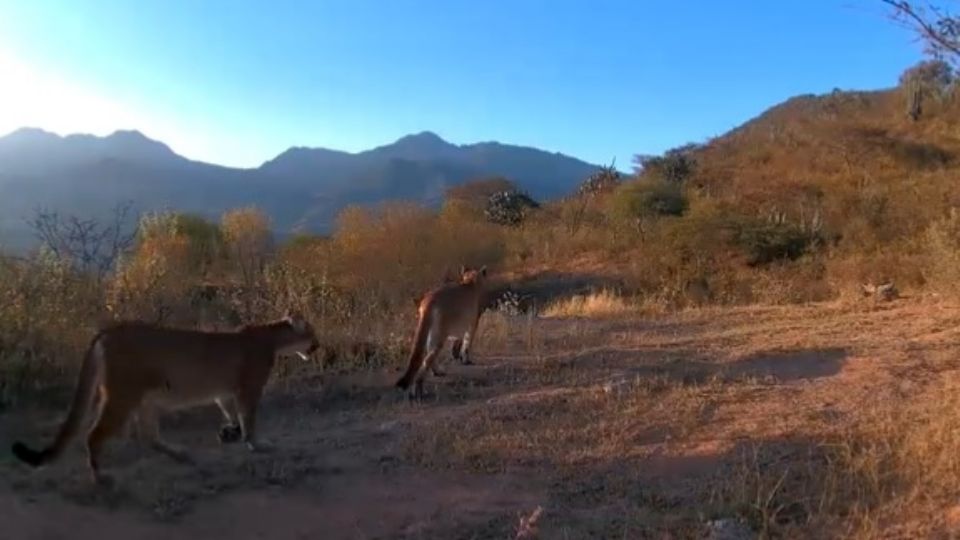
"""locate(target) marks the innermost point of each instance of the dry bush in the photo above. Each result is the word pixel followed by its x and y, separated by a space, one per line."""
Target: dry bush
pixel 151 283
pixel 943 249
pixel 46 312
pixel 900 462
pixel 793 283
pixel 392 254
pixel 359 286
pixel 889 472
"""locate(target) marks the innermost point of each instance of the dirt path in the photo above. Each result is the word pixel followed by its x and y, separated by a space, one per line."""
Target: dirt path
pixel 625 428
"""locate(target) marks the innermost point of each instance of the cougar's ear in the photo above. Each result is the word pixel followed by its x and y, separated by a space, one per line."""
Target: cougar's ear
pixel 463 270
pixel 483 270
pixel 299 323
pixel 295 319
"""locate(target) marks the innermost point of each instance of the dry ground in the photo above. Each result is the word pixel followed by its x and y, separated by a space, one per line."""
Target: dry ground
pixel 631 427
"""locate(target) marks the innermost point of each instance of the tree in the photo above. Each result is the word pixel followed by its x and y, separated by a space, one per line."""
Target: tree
pixel 248 238
pixel 509 208
pixel 935 74
pixel 477 192
pixel 202 238
pixel 205 236
pixel 598 184
pixel 86 244
pixel 644 200
pixel 152 279
pixel 468 202
pixel 603 181
pixel 927 79
pixel 674 166
pixel 935 25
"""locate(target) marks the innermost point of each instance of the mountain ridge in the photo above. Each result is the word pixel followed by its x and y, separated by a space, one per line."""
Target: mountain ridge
pixel 303 187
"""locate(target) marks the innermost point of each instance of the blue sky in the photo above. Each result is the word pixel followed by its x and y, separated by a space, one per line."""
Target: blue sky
pixel 236 82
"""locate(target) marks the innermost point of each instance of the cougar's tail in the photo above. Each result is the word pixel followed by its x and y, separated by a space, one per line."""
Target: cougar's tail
pixel 416 355
pixel 82 398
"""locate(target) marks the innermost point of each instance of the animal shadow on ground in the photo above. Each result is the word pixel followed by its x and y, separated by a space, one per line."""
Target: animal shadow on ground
pixel 494 376
pixel 693 367
pixel 791 365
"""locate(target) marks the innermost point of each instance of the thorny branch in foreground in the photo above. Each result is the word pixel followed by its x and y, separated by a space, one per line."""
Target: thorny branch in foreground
pixel 935 25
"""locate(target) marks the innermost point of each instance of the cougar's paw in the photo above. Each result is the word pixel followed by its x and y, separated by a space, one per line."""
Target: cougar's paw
pixel 104 481
pixel 260 447
pixel 229 434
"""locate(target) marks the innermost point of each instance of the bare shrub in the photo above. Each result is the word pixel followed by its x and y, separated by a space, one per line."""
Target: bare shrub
pixel 89 245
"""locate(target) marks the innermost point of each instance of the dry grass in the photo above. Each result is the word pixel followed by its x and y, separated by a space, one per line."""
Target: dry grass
pixel 828 421
pixel 625 418
pixel 603 303
pixel 799 422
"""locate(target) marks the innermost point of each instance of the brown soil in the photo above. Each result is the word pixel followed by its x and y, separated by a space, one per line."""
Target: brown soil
pixel 628 428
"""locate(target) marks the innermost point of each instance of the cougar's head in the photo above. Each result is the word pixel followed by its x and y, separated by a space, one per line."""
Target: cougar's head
pixel 469 275
pixel 301 338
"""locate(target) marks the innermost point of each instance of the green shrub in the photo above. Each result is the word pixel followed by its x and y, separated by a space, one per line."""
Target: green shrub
pixel 765 242
pixel 646 199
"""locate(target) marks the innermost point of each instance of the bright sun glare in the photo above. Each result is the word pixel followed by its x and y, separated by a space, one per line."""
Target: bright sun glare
pixel 32 98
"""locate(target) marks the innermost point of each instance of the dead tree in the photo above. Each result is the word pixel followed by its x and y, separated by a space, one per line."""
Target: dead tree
pixel 86 244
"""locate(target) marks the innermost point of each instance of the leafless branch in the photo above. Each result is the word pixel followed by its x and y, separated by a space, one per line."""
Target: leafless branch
pixel 935 25
pixel 85 243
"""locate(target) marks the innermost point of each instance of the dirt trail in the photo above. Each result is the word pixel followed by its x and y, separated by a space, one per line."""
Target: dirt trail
pixel 615 427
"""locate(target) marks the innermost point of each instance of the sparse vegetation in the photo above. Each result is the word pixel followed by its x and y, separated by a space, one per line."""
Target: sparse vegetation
pixel 638 376
pixel 602 303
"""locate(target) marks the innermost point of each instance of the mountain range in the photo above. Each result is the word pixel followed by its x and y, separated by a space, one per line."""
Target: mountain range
pixel 302 189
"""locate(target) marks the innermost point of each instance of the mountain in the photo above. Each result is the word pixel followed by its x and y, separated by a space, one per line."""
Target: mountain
pixel 302 188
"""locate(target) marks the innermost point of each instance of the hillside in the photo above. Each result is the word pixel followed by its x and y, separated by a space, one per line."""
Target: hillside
pixel 302 188
pixel 854 156
pixel 845 184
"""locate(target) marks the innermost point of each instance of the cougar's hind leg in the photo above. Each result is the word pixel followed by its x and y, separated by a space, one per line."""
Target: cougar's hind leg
pixel 428 361
pixel 248 402
pixel 435 367
pixel 150 424
pixel 230 431
pixel 111 417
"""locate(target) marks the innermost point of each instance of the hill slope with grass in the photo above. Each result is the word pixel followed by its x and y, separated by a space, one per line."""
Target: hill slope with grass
pixel 803 202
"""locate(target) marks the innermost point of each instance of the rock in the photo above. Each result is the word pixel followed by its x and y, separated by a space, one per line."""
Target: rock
pixel 885 292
